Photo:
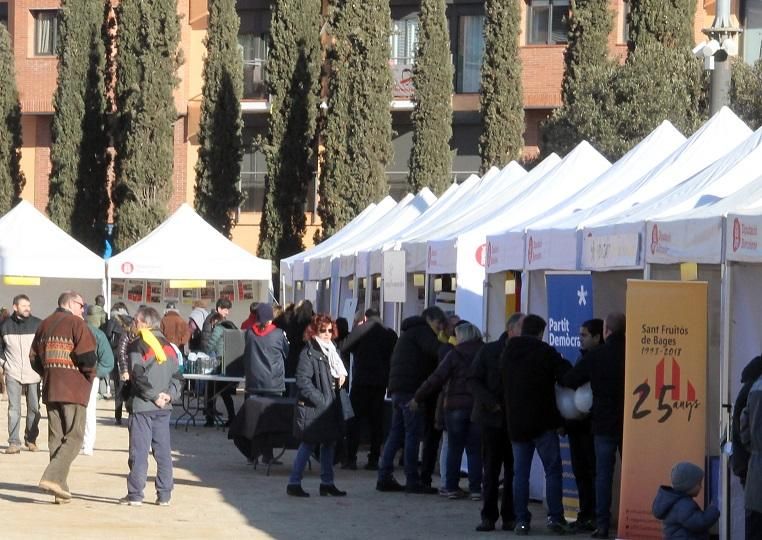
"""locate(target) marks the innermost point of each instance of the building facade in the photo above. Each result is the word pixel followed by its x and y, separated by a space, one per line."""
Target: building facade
pixel 33 27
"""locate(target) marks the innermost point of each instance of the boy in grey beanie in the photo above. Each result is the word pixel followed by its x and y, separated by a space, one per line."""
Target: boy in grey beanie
pixel 682 517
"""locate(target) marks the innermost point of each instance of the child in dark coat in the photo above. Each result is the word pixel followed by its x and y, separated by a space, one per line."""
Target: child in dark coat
pixel 682 517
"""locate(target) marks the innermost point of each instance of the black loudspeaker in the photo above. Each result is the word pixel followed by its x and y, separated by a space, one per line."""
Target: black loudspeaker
pixel 234 343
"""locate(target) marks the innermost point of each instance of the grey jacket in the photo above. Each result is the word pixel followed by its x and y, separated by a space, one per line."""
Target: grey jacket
pixel 148 378
pixel 681 517
pixel 751 437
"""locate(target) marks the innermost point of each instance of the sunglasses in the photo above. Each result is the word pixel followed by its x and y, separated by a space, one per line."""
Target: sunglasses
pixel 328 330
pixel 80 304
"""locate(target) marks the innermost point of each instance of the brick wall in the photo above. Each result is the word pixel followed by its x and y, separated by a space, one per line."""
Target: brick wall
pixel 35 75
pixel 42 165
pixel 180 172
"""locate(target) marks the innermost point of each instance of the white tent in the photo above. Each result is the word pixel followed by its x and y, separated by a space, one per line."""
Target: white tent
pixel 33 246
pixel 185 246
pixel 608 243
pixel 554 232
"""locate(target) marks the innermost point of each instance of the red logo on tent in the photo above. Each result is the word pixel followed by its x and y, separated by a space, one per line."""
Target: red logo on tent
pixel 530 250
pixel 127 267
pixel 736 234
pixel 669 396
pixel 654 239
pixel 481 255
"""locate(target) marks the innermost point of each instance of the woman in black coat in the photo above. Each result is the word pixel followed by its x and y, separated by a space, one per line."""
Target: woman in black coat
pixel 318 419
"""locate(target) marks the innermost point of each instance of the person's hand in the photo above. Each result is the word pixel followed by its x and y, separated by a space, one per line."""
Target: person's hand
pixel 342 380
pixel 162 400
pixel 125 376
pixel 412 405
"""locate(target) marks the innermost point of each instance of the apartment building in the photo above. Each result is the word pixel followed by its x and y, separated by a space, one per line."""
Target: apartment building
pixel 33 27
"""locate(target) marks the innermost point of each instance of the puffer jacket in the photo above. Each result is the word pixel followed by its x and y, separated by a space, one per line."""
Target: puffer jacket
pixel 414 357
pixel 16 335
pixel 149 378
pixel 453 371
pixel 264 359
pixel 318 417
pixel 681 516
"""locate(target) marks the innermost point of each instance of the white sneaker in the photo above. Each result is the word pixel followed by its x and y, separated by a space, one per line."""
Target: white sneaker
pixel 126 501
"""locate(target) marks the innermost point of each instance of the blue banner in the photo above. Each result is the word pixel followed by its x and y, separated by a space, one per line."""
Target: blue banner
pixel 570 303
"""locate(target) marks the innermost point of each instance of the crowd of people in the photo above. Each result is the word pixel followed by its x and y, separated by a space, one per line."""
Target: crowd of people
pixel 452 396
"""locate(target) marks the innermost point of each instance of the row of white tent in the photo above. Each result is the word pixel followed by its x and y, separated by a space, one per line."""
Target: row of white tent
pixel 670 200
pixel 183 247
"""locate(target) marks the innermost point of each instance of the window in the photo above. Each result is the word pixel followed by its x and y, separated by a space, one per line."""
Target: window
pixel 470 53
pixel 4 13
pixel 403 43
pixel 253 169
pixel 45 32
pixel 254 51
pixel 625 21
pixel 548 22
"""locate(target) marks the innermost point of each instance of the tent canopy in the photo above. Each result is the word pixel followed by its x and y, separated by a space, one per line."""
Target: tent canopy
pixel 216 257
pixel 32 245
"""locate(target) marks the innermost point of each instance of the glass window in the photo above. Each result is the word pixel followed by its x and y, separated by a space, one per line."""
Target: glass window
pixel 403 43
pixel 470 53
pixel 548 22
pixel 253 170
pixel 45 32
pixel 253 48
pixel 625 21
pixel 4 13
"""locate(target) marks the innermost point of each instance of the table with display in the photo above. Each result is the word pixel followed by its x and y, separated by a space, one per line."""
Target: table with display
pixel 194 402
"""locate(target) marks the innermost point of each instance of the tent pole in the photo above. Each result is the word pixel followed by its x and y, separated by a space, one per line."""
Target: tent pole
pixel 647 271
pixel 726 276
pixel 426 293
pixel 485 306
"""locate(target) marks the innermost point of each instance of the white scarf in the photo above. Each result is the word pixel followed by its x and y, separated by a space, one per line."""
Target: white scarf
pixel 334 360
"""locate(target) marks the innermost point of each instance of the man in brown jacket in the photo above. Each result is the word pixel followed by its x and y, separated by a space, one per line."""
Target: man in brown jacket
pixel 174 327
pixel 63 353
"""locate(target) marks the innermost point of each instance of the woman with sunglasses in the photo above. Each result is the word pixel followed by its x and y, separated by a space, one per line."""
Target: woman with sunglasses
pixel 318 418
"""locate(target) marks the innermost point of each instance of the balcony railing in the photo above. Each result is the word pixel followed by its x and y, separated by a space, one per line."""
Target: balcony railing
pixel 254 77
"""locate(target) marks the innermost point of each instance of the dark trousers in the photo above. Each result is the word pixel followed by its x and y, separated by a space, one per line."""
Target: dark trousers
pixel 497 453
pixel 118 397
pixel 368 405
pixel 149 431
pixel 404 433
pixel 226 394
pixel 582 450
pixel 753 525
pixel 605 460
pixel 66 431
pixel 431 439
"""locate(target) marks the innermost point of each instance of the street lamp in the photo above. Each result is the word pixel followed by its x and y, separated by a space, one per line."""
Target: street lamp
pixel 723 43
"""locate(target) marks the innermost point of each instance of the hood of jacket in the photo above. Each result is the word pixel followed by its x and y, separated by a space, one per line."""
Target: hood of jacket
pixel 752 371
pixel 666 498
pixel 263 331
pixel 469 348
pixel 412 322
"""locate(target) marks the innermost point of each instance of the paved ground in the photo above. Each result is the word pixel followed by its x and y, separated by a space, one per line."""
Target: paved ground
pixel 216 495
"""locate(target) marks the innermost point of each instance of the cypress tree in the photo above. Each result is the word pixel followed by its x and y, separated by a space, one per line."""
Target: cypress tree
pixel 590 109
pixel 218 169
pixel 501 98
pixel 661 76
pixel 11 178
pixel 78 198
pixel 358 126
pixel 430 158
pixel 746 92
pixel 147 54
pixel 293 79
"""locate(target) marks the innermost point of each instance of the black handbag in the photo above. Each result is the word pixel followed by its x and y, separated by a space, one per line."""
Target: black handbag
pixel 347 412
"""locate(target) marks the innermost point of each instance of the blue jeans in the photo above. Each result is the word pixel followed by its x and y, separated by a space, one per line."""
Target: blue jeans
pixel 405 430
pixel 549 449
pixel 462 434
pixel 303 457
pixel 149 433
pixel 31 430
pixel 605 459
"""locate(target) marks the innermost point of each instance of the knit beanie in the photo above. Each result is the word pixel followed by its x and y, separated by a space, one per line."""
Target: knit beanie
pixel 264 313
pixel 686 476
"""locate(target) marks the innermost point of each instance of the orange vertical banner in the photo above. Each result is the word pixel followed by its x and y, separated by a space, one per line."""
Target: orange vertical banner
pixel 665 394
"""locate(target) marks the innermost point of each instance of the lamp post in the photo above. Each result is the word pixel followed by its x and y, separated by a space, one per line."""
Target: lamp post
pixel 723 43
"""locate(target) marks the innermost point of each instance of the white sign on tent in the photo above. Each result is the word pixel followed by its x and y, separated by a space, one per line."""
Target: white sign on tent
pixel 394 276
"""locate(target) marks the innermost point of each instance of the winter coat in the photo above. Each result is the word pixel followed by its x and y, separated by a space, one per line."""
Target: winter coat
pixel 372 344
pixel 485 384
pixel 530 369
pixel 414 357
pixel 103 351
pixel 603 367
pixel 751 437
pixel 453 371
pixel 740 458
pixel 196 320
pixel 264 360
pixel 295 334
pixel 149 378
pixel 175 328
pixel 16 335
pixel 317 417
pixel 681 516
pixel 98 316
pixel 215 345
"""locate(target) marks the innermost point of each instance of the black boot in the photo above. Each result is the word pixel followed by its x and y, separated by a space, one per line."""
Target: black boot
pixel 295 490
pixel 332 490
